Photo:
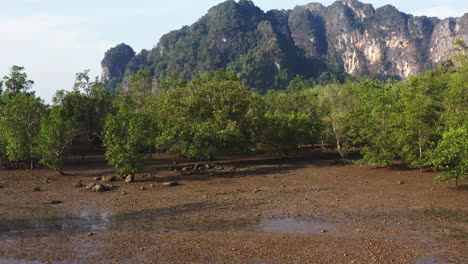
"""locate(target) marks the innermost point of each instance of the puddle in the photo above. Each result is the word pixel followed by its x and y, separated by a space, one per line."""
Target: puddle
pixel 149 221
pixel 157 221
pixel 84 222
pixel 295 225
pixel 19 261
pixel 22 261
pixel 427 260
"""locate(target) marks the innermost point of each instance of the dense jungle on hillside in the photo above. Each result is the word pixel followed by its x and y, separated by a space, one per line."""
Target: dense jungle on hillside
pixel 267 49
pixel 421 122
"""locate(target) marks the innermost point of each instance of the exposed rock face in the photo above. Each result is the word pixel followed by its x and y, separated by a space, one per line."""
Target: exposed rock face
pixel 115 62
pixel 269 49
pixel 445 34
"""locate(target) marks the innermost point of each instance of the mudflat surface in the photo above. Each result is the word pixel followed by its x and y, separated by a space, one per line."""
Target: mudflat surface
pixel 243 209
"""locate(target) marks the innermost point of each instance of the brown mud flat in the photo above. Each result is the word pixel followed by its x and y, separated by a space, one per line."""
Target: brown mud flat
pixel 248 209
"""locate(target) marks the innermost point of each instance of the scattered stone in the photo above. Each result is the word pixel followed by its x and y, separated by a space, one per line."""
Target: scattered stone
pixel 143 188
pixel 323 231
pixel 170 183
pixel 97 178
pixel 101 188
pixel 78 184
pixel 37 189
pixel 90 234
pixel 174 163
pixel 55 202
pixel 46 180
pixel 256 190
pixel 129 179
pixel 90 186
pixel 108 178
pixel 401 182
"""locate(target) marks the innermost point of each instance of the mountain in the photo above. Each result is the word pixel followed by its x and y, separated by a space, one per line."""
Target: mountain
pixel 322 43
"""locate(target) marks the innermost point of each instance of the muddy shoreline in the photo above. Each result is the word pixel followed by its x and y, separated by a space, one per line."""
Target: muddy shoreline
pixel 255 209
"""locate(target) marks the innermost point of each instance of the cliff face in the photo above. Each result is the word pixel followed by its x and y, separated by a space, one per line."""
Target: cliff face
pixel 379 43
pixel 115 62
pixel 269 49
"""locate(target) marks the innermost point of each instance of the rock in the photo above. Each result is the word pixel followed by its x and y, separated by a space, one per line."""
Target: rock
pixel 100 188
pixel 323 231
pixel 108 178
pixel 185 169
pixel 115 62
pixel 90 186
pixel 37 189
pixel 78 184
pixel 2 185
pixel 90 234
pixel 170 183
pixel 129 179
pixel 55 202
pixel 97 178
pixel 401 182
pixel 256 190
pixel 123 193
pixel 46 180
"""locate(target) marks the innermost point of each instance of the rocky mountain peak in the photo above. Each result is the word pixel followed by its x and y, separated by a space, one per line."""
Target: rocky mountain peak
pixel 267 50
pixel 115 62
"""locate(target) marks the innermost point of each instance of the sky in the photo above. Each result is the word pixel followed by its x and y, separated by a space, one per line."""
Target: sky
pixel 55 39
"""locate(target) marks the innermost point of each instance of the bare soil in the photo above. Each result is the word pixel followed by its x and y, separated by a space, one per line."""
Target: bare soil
pixel 244 209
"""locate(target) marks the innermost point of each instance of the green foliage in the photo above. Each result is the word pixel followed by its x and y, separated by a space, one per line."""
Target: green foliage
pixel 336 103
pixel 17 82
pixel 417 122
pixel 56 133
pixel 19 128
pixel 451 155
pixel 373 120
pixel 211 115
pixel 127 139
pixel 89 103
pixel 291 118
pixel 286 131
pixel 139 92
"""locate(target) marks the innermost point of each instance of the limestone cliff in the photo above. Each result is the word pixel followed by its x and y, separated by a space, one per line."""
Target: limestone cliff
pixel 115 62
pixel 269 49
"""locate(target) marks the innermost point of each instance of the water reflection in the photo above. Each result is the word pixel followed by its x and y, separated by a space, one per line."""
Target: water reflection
pixel 156 221
pixel 295 225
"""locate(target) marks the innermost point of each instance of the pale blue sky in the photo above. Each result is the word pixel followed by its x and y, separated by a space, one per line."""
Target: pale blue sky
pixel 54 39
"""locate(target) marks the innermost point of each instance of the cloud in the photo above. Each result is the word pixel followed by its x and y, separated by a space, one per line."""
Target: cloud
pixel 51 48
pixel 441 12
